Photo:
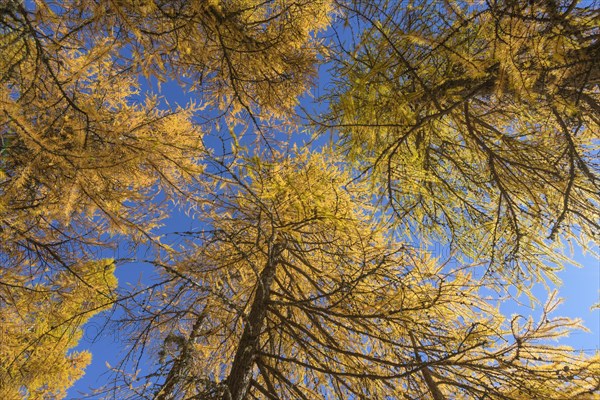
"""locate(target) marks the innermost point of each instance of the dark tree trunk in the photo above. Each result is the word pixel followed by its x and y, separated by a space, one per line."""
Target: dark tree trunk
pixel 175 375
pixel 238 381
pixel 429 381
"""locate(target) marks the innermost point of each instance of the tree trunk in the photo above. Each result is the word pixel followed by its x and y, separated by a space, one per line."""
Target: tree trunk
pixel 238 381
pixel 429 381
pixel 179 364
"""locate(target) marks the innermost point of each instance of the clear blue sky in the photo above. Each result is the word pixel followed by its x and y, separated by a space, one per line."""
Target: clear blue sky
pixel 580 290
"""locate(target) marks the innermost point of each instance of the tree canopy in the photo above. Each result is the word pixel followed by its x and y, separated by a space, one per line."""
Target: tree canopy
pixel 479 121
pixel 305 272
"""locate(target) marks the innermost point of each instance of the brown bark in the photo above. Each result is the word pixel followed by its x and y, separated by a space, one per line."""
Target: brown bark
pixel 176 373
pixel 429 381
pixel 240 376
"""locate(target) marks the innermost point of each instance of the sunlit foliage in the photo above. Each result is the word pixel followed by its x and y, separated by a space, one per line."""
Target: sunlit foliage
pixel 480 119
pixel 40 323
pixel 302 272
pixel 296 292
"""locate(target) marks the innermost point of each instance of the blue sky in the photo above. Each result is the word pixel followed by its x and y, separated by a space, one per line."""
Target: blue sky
pixel 580 290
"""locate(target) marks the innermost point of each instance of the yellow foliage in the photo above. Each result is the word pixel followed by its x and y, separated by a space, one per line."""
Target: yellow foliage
pixel 470 123
pixel 303 276
pixel 41 323
pixel 484 129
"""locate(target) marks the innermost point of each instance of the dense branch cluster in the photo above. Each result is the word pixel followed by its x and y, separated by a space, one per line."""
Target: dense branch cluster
pixel 304 273
pixel 481 121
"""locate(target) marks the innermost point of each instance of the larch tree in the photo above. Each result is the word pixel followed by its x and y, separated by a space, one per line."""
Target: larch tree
pixel 480 119
pixel 77 155
pixel 294 290
pixel 304 275
pixel 85 156
pixel 41 322
pixel 78 137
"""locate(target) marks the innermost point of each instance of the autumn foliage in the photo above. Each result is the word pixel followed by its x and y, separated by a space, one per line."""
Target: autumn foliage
pixel 290 247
